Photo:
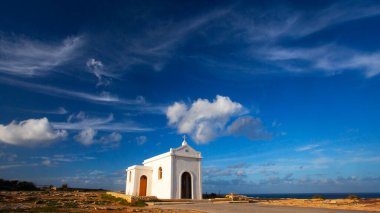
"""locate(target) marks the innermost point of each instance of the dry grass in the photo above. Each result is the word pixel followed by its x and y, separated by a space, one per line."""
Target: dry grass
pixel 351 204
pixel 64 201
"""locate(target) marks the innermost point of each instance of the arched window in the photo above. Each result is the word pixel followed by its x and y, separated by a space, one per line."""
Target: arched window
pixel 160 173
pixel 130 176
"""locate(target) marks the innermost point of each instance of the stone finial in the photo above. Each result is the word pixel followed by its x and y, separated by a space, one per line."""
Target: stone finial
pixel 184 142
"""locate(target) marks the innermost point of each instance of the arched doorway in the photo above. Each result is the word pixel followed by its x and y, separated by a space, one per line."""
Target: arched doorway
pixel 143 183
pixel 186 186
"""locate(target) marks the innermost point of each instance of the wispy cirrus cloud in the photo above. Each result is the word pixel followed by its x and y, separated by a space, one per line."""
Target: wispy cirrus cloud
pixel 331 59
pixel 7 156
pixel 280 22
pixel 103 97
pixel 327 57
pixel 156 45
pixel 57 159
pixel 99 70
pixel 26 57
pixel 57 111
pixel 307 147
pixel 267 33
pixel 81 120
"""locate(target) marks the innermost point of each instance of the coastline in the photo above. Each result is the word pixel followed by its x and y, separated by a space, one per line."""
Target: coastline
pixel 310 195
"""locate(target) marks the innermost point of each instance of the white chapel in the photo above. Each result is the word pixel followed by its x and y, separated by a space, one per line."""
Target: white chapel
pixel 175 174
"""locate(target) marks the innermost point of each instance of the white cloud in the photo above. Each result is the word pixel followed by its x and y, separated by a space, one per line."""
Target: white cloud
pixel 280 22
pixel 264 31
pixel 307 147
pixel 176 112
pixel 141 140
pixel 158 43
pixel 80 120
pixel 58 111
pixel 31 132
pixel 61 111
pixel 20 56
pixel 62 158
pixel 205 120
pixel 8 156
pixel 138 104
pixel 250 127
pixel 114 137
pixel 15 165
pixel 86 136
pixel 331 59
pixel 103 97
pixel 98 69
pixel 46 162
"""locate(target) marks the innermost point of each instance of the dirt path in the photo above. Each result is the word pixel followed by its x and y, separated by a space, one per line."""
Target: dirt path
pixel 252 207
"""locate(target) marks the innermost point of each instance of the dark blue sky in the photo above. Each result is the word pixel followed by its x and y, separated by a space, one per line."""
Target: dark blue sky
pixel 279 96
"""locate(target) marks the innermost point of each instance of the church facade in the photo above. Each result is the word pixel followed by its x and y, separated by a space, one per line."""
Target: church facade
pixel 175 174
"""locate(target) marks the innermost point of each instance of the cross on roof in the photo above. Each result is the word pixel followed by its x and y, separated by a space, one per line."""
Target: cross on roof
pixel 184 143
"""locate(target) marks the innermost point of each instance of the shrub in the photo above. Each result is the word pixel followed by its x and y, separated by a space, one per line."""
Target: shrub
pixel 15 185
pixel 319 197
pixel 64 187
pixel 70 205
pixel 116 199
pixel 139 203
pixel 353 197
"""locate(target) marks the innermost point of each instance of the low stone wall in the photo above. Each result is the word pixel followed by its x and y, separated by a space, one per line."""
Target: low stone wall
pixel 236 197
pixel 133 199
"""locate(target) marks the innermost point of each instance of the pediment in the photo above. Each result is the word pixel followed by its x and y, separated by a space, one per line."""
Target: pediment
pixel 186 150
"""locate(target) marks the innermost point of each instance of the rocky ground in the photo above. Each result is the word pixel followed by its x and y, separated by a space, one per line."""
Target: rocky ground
pixel 65 201
pixel 61 201
pixel 348 204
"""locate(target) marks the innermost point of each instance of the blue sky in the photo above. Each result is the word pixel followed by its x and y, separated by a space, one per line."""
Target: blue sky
pixel 279 96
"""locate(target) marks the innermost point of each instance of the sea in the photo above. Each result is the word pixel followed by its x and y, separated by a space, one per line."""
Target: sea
pixel 310 195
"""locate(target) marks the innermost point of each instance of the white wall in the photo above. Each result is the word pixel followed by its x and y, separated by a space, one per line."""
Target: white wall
pixel 161 187
pixel 133 187
pixel 130 182
pixel 173 163
pixel 191 165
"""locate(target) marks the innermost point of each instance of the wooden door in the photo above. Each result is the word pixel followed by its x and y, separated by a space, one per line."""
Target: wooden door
pixel 186 186
pixel 143 184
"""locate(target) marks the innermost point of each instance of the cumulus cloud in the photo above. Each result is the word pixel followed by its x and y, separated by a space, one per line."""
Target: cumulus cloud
pixel 86 136
pixel 205 120
pixel 250 127
pixel 30 132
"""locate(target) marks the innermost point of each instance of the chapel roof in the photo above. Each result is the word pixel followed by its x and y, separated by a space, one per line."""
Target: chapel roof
pixel 183 151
